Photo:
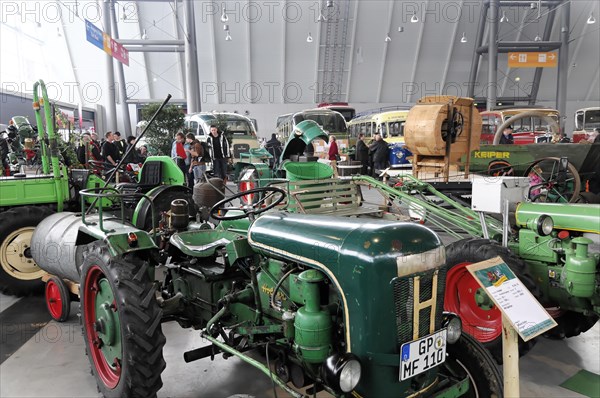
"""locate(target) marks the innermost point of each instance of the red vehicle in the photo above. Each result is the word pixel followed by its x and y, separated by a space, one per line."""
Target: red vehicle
pixel 586 120
pixel 346 110
pixel 529 130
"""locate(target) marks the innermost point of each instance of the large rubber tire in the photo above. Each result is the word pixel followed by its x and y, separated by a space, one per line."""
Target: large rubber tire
pixel 58 299
pixel 483 323
pixel 571 324
pixel 19 274
pixel 469 358
pixel 121 319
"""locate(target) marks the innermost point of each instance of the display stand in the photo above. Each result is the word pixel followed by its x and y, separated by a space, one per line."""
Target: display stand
pixel 522 314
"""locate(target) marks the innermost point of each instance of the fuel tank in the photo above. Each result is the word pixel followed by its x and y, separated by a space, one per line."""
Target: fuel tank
pixel 53 245
pixel 571 216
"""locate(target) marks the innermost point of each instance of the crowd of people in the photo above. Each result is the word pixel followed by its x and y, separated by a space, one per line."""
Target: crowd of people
pixel 100 155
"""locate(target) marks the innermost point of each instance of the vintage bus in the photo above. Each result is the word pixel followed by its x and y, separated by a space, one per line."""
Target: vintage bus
pixel 529 130
pixel 331 121
pixel 238 129
pixel 586 120
pixel 389 124
pixel 347 111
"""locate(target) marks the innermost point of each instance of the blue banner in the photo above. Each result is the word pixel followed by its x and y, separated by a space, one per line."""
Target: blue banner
pixel 94 35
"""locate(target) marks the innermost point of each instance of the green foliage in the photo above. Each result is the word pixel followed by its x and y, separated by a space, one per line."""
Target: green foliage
pixel 161 133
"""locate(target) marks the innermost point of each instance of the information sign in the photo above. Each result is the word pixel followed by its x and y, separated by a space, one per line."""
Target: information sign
pixel 524 312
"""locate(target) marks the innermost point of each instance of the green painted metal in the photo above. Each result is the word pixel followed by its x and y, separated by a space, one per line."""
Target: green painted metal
pixel 312 325
pixel 572 217
pixel 254 363
pixel 32 190
pixel 108 323
pixel 454 219
pixel 580 269
pixel 171 173
pixel 52 140
pixel 361 258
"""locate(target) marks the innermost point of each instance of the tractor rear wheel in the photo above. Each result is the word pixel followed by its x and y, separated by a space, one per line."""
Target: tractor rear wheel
pixel 469 358
pixel 121 323
pixel 19 274
pixel 480 317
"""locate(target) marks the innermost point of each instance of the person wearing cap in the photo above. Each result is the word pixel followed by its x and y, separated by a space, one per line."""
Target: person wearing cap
pixel 507 137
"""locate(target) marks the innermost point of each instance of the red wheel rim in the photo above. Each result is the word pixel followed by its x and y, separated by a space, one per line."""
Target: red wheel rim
pixel 54 299
pixel 483 324
pixel 110 375
pixel 246 186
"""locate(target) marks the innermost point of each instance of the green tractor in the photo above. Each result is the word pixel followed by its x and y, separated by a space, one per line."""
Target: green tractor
pixel 25 200
pixel 352 308
pixel 555 251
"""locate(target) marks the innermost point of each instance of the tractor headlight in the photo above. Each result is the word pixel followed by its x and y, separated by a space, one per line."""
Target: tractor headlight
pixel 342 372
pixel 545 225
pixel 453 326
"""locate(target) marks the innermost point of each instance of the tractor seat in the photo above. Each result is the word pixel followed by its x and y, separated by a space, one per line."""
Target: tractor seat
pixel 151 176
pixel 200 243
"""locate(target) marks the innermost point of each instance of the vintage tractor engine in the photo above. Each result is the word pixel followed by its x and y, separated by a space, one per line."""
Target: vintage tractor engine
pixel 561 246
pixel 327 301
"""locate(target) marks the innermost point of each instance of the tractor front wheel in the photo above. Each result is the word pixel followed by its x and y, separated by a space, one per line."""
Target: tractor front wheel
pixel 121 323
pixel 467 358
pixel 480 317
pixel 58 299
pixel 19 274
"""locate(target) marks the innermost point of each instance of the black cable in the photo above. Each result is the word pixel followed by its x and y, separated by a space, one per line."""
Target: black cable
pixel 270 372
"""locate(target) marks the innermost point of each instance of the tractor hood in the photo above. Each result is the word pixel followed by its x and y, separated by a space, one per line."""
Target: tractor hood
pixel 571 216
pixel 372 264
pixel 301 138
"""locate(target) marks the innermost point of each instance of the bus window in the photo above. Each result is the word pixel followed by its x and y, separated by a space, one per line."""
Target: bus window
pixel 396 129
pixel 579 120
pixel 384 130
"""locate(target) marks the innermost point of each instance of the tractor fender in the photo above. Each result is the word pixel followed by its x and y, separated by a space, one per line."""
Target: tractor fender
pixel 143 208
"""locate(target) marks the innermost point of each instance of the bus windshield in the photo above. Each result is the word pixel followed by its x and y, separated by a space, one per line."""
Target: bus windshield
pixel 331 122
pixel 589 120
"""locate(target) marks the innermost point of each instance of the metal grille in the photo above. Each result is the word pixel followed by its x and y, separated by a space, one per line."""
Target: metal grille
pixel 403 289
pixel 240 148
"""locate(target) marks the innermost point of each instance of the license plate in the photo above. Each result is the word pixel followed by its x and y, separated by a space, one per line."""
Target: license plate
pixel 421 355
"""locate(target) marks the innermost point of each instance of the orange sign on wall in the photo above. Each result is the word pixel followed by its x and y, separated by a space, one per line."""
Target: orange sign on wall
pixel 532 60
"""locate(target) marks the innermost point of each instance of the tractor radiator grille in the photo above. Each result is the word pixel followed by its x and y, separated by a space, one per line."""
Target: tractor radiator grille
pixel 404 304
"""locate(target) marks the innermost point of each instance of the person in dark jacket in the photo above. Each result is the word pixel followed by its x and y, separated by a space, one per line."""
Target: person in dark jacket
pixel 273 146
pixel 119 143
pixel 110 152
pixel 379 151
pixel 507 137
pixel 132 157
pixel 362 153
pixel 219 151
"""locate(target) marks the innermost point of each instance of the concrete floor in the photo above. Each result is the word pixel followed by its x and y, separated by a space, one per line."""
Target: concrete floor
pixel 52 363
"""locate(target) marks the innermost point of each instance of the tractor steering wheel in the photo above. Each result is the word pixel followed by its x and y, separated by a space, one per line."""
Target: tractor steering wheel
pixel 251 209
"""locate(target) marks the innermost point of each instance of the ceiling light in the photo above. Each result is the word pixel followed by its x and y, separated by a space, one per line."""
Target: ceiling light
pixel 533 6
pixel 154 79
pixel 309 38
pixel 400 29
pixel 321 17
pixel 228 36
pixel 414 18
pixel 503 19
pixel 537 38
pixel 225 27
pixel 463 39
pixel 499 103
pixel 591 20
pixel 224 17
pixel 144 35
pixel 388 38
pixel 329 3
pixel 517 79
